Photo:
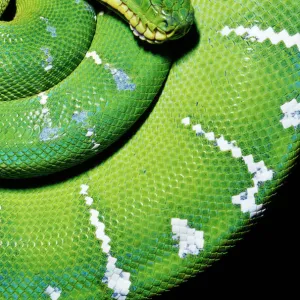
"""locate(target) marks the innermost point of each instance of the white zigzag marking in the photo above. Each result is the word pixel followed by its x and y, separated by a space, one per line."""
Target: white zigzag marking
pixel 260 172
pixel 191 241
pixel 256 34
pixel 115 278
pixel 291 112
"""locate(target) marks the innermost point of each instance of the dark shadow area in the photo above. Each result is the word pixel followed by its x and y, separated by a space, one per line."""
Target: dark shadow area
pixel 9 12
pixel 186 44
pixel 260 265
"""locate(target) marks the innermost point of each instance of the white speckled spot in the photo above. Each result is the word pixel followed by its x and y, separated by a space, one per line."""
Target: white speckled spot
pixel 47 64
pixel 49 28
pixel 90 132
pixel 95 145
pixel 186 121
pixel 122 80
pixel 191 241
pixel 48 134
pixel 291 112
pixel 48 68
pixel 53 292
pixel 89 200
pixel 52 31
pixel 43 98
pixel 80 117
pixel 94 56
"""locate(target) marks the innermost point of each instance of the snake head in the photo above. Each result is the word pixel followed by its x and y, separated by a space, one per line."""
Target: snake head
pixel 156 21
pixel 172 18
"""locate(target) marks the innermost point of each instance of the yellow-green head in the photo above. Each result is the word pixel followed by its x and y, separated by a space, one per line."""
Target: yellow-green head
pixel 156 21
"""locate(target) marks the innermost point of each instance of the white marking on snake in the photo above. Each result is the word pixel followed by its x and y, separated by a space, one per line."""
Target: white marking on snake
pixel 191 241
pixel 256 34
pixel 49 28
pixel 84 189
pixel 291 112
pixel 94 56
pixel 80 117
pixel 259 171
pixel 186 121
pixel 115 278
pixel 53 292
pixel 95 145
pixel 47 68
pixel 47 65
pixel 43 98
pixel 90 132
pixel 122 80
pixel 88 200
pixel 48 133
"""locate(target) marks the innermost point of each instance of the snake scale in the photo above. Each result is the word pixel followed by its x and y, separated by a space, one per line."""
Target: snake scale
pixel 127 167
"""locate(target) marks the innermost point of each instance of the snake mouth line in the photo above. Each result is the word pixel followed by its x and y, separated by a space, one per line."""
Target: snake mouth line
pixel 140 30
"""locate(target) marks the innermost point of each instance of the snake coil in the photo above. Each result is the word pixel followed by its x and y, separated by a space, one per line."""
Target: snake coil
pixel 195 136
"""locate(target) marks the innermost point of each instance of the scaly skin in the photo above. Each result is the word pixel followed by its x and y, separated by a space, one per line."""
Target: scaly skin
pixel 71 116
pixel 46 51
pixel 209 151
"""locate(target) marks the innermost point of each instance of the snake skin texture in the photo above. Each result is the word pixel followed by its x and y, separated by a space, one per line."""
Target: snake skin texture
pixel 183 184
pixel 82 115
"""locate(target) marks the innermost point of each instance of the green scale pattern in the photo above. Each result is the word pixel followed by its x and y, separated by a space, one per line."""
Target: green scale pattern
pixel 36 142
pixel 43 45
pixel 160 169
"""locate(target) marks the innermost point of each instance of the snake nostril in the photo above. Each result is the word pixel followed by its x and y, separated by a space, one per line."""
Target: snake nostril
pixel 164 25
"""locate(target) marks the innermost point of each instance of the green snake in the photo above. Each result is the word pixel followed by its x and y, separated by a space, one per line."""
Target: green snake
pixel 128 165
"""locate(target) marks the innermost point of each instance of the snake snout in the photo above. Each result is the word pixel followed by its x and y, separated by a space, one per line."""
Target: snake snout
pixel 160 21
pixel 176 24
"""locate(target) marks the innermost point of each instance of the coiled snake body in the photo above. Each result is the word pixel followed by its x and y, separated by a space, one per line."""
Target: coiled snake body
pixel 180 175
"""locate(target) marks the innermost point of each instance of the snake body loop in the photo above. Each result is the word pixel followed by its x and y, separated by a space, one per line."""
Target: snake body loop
pixel 190 139
pixel 79 117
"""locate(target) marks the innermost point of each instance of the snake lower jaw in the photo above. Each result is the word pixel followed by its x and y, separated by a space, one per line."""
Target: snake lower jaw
pixel 148 36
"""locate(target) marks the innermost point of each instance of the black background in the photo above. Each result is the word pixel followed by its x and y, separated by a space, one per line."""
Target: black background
pixel 264 264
